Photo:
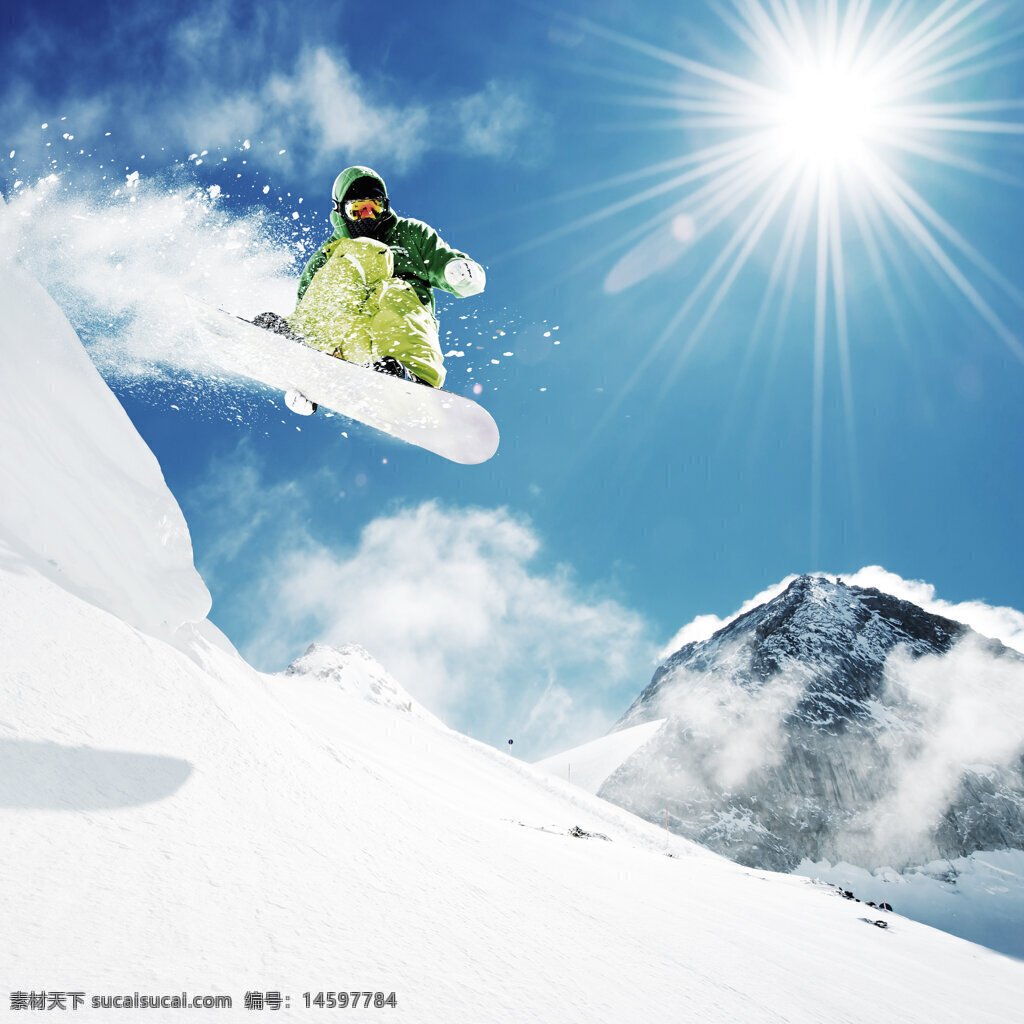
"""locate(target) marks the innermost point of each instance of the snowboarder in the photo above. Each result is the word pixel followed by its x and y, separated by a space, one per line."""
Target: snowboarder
pixel 367 293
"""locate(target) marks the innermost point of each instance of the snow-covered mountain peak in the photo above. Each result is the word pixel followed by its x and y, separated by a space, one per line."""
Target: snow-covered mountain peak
pixel 353 670
pixel 826 638
pixel 826 613
pixel 834 722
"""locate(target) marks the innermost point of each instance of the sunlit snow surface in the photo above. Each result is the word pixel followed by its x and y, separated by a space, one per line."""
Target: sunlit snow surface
pixel 173 821
pixel 84 500
pixel 980 897
pixel 589 764
pixel 228 831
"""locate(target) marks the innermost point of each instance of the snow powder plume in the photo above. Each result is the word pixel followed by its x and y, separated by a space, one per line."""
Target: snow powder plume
pixel 120 259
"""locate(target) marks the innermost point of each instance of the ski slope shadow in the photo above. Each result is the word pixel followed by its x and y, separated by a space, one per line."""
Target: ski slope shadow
pixel 48 776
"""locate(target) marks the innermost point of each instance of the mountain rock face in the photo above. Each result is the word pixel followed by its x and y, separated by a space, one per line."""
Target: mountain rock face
pixel 834 723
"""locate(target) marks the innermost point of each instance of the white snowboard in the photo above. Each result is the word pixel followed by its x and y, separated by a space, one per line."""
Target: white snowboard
pixel 451 426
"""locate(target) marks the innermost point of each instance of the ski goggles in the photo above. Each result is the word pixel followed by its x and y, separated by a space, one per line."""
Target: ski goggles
pixel 360 209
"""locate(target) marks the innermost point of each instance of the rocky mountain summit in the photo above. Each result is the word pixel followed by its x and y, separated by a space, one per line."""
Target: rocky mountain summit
pixel 833 723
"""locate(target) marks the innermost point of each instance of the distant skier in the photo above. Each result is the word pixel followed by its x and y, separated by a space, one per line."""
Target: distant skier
pixel 367 293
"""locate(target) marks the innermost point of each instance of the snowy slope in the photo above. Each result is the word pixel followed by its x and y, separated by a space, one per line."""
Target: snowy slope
pixel 173 828
pixel 589 764
pixel 84 501
pixel 980 898
pixel 354 671
pixel 172 820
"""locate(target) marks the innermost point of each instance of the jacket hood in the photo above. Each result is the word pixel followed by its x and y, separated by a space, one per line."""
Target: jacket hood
pixel 341 186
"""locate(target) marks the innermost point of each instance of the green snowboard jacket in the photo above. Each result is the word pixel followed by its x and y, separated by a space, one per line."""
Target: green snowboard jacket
pixel 420 253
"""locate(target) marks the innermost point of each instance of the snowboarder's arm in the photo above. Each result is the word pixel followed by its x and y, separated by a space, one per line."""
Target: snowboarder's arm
pixel 448 268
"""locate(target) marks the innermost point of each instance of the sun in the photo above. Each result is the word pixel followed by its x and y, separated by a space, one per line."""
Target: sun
pixel 826 115
pixel 827 105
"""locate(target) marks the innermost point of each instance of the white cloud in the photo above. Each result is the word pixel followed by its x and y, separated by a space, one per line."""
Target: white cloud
pixel 494 120
pixel 964 709
pixel 704 626
pixel 218 85
pixel 738 729
pixel 324 112
pixel 242 510
pixel 448 600
pixel 349 120
pixel 553 710
pixel 204 36
pixel 319 110
pixel 1001 623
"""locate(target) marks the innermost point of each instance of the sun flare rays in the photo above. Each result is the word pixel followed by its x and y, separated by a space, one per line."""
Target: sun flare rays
pixel 812 141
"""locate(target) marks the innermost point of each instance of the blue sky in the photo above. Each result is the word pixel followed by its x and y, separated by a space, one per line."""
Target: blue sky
pixel 653 466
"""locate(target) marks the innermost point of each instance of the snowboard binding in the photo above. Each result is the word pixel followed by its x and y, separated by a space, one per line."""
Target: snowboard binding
pixel 278 324
pixel 390 365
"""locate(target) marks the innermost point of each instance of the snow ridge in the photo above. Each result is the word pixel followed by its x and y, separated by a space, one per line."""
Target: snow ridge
pixel 85 503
